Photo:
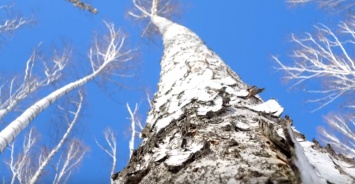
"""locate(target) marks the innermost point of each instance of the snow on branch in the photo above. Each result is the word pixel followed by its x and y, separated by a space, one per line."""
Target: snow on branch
pixel 324 57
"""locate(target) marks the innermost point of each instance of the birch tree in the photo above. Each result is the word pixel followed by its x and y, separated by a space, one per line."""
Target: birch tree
pixel 207 126
pixel 106 54
pixel 12 94
pixel 30 164
pixel 111 151
pixel 45 161
pixel 326 57
pixel 111 140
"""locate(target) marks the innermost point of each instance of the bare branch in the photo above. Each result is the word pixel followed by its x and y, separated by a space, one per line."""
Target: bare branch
pixel 45 161
pixel 72 158
pixel 337 5
pixel 343 138
pixel 11 24
pixel 21 165
pixel 31 82
pixel 325 58
pixel 105 54
pixel 84 6
pixel 112 150
pixel 149 8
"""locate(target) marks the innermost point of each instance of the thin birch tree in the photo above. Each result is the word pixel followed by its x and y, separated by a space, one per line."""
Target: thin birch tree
pixel 111 140
pixel 46 159
pixel 106 53
pixel 29 165
pixel 111 151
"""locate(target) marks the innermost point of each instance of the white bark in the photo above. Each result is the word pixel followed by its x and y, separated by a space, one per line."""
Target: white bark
pixel 45 162
pixel 202 129
pixel 31 83
pixel 134 122
pixel 105 56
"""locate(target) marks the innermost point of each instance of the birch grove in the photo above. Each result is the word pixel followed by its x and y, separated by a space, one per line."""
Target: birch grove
pixel 107 54
pixel 205 123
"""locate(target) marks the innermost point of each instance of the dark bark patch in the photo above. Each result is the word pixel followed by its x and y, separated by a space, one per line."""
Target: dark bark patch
pixel 136 177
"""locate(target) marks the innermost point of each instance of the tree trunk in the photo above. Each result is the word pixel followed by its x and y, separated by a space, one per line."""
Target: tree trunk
pixel 205 127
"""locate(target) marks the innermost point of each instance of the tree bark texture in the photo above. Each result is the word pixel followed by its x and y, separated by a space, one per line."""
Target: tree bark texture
pixel 204 127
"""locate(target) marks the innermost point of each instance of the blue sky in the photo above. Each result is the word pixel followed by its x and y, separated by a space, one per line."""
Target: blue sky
pixel 244 33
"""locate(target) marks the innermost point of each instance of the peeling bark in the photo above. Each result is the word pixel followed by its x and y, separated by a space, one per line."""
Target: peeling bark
pixel 203 129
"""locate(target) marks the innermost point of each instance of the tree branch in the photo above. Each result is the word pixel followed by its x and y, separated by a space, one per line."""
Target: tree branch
pixel 45 161
pixel 326 58
pixel 84 6
pixel 108 54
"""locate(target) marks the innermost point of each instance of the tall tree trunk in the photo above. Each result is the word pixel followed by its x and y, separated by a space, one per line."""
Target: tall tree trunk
pixel 204 127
